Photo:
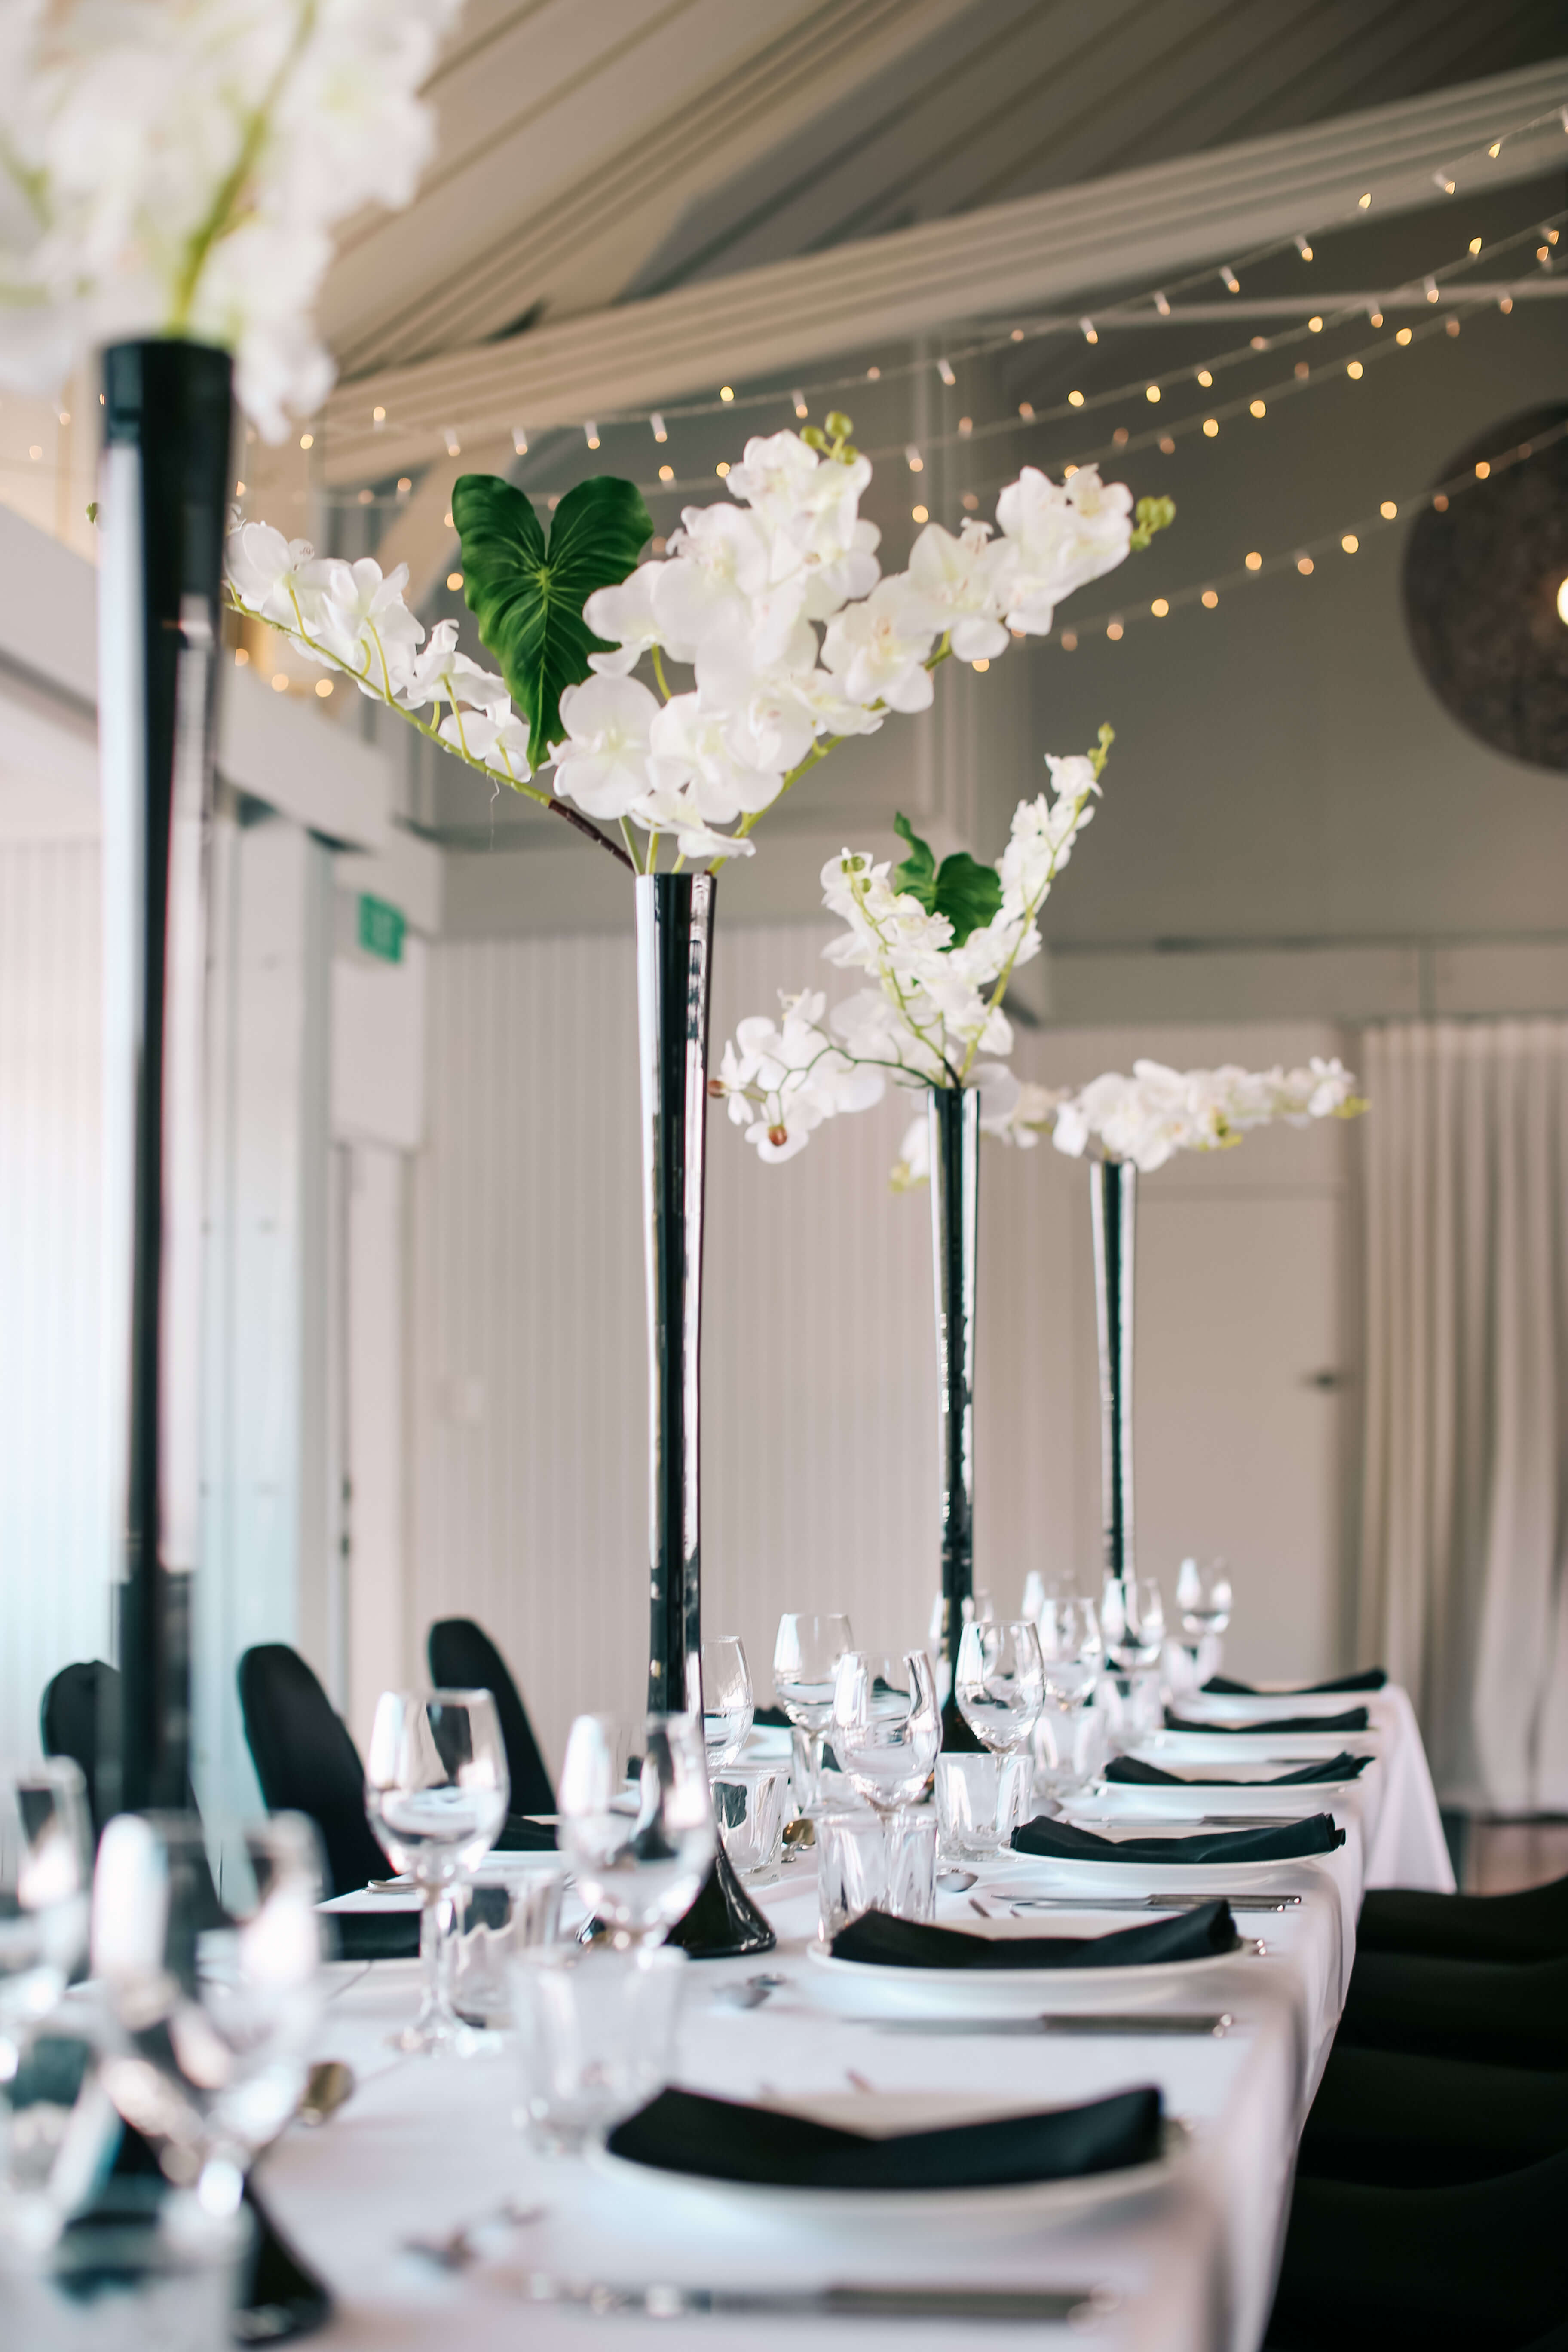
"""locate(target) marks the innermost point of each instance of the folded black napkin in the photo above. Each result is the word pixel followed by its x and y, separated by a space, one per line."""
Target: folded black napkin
pixel 682 2131
pixel 1354 1718
pixel 885 1942
pixel 521 1835
pixel 1372 1678
pixel 1060 1841
pixel 1130 1771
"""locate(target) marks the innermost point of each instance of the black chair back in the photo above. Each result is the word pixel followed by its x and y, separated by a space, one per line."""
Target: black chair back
pixel 463 1657
pixel 306 1761
pixel 79 1717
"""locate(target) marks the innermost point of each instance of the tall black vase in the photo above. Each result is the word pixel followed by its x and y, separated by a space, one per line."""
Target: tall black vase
pixel 167 421
pixel 954 1128
pixel 675 956
pixel 1114 1200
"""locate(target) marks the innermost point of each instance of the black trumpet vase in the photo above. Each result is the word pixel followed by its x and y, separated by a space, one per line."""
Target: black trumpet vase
pixel 675 955
pixel 167 423
pixel 955 1117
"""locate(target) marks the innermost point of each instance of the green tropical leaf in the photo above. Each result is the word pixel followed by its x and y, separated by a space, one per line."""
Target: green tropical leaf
pixel 527 593
pixel 917 875
pixel 967 893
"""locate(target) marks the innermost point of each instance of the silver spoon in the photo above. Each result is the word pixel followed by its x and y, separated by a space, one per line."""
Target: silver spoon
pixel 955 1882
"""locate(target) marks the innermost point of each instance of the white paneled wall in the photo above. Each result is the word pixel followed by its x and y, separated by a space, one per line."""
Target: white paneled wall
pixel 54 1553
pixel 527 1406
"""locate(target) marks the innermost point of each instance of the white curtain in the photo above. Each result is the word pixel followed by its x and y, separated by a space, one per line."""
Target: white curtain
pixel 1463 1517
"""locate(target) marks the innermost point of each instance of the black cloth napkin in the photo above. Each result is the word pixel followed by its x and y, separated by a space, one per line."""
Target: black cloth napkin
pixel 719 2139
pixel 523 1836
pixel 1372 1678
pixel 1130 1771
pixel 885 1942
pixel 1291 1841
pixel 1354 1718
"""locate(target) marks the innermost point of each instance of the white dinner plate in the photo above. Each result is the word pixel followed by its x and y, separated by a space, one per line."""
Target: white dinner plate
pixel 1267 1707
pixel 1179 1751
pixel 867 1989
pixel 1114 1800
pixel 1022 2205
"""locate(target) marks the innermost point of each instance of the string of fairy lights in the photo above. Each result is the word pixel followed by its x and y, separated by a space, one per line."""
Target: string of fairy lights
pixel 799 399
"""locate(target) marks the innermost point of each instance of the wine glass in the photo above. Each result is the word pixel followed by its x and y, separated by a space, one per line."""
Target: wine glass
pixel 727 1701
pixel 886 1726
pixel 1000 1683
pixel 1071 1650
pixel 437 1789
pixel 805 1661
pixel 1203 1596
pixel 45 1869
pixel 1132 1617
pixel 213 1997
pixel 639 1849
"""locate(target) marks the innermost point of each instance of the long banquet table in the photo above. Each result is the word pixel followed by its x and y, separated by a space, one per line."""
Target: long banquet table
pixel 426 2146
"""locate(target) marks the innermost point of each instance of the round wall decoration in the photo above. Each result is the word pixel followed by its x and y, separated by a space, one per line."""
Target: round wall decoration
pixel 1486 593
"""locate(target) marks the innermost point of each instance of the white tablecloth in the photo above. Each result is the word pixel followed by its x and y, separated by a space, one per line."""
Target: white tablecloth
pixel 427 2144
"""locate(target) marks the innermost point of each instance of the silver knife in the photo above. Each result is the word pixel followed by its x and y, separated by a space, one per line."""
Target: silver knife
pixel 1085 2022
pixel 1182 1823
pixel 1144 1902
pixel 1075 2306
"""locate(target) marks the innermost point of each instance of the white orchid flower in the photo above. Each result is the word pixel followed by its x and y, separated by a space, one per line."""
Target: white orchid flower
pixel 264 570
pixel 440 673
pixel 363 620
pixel 603 764
pixel 718 566
pixel 1061 536
pixel 624 617
pixel 961 586
pixel 497 737
pixel 878 649
pixel 691 748
pixel 1148 1118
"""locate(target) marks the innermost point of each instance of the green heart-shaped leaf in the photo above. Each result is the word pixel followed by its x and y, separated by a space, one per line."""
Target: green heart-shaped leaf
pixel 967 893
pixel 527 593
pixel 917 875
pixel 964 890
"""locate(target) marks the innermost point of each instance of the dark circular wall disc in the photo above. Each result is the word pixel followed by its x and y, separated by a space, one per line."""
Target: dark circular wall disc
pixel 1481 585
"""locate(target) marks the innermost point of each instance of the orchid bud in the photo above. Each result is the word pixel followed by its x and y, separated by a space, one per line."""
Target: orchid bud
pixel 839 426
pixel 716 1090
pixel 778 1137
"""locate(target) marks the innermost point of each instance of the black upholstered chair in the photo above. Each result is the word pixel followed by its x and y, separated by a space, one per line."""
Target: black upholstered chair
pixel 1477 2267
pixel 306 1761
pixel 77 1717
pixel 1393 2119
pixel 1531 1925
pixel 463 1657
pixel 1495 2012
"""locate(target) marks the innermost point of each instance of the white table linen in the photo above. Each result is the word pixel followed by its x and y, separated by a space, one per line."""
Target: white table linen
pixel 426 2145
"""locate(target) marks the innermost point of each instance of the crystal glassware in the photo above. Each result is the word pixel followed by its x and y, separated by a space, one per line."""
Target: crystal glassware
pixel 909 1840
pixel 727 1698
pixel 979 1801
pixel 751 1802
pixel 214 1995
pixel 436 1795
pixel 596 2032
pixel 1071 1650
pixel 1132 1620
pixel 481 1992
pixel 45 1871
pixel 1000 1683
pixel 886 1726
pixel 129 2277
pixel 851 1870
pixel 639 1849
pixel 805 1661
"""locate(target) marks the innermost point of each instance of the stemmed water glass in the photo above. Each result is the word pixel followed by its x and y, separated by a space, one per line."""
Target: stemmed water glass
pixel 886 1726
pixel 437 1789
pixel 1071 1650
pixel 639 1848
pixel 46 1870
pixel 727 1700
pixel 1203 1596
pixel 806 1663
pixel 213 1995
pixel 1133 1618
pixel 999 1683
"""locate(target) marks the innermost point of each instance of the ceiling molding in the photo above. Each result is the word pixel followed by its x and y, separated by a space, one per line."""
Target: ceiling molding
pixel 1135 226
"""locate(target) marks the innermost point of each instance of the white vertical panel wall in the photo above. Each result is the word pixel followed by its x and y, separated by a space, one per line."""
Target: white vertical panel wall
pixel 54 1529
pixel 526 1404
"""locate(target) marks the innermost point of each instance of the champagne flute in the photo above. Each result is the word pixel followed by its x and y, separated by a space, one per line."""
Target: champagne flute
pixel 640 1850
pixel 1000 1683
pixel 806 1663
pixel 727 1701
pixel 436 1795
pixel 214 2000
pixel 886 1726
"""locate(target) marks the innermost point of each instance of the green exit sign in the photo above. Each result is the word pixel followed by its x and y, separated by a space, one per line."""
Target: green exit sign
pixel 381 929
